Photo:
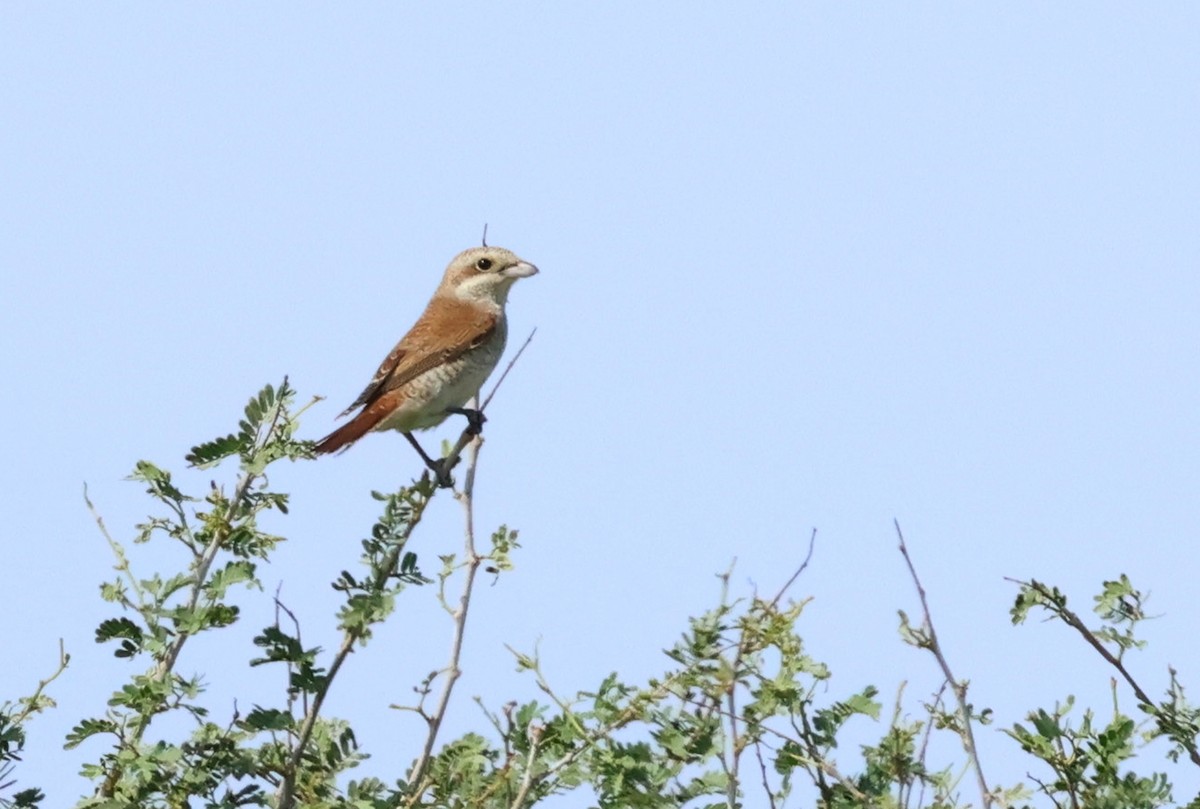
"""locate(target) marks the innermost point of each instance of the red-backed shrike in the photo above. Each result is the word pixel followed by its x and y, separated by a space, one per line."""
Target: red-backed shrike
pixel 444 359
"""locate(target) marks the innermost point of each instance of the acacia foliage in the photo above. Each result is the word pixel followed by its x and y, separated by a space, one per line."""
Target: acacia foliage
pixel 741 714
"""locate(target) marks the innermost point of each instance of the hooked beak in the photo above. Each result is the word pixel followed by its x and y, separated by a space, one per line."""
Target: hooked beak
pixel 522 269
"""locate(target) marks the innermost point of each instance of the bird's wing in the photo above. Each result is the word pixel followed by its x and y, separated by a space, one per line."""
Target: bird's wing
pixel 445 331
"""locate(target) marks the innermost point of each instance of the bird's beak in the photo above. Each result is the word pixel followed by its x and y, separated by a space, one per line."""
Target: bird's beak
pixel 522 269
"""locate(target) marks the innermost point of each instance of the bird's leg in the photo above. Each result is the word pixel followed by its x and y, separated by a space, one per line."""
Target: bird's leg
pixel 430 462
pixel 438 467
pixel 475 418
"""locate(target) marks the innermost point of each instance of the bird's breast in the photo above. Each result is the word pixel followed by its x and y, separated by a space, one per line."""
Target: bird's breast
pixel 448 385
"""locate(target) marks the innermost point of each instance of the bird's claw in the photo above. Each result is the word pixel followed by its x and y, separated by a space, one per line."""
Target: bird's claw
pixel 441 472
pixel 475 419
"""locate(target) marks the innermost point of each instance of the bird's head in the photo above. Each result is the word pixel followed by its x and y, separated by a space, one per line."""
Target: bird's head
pixel 484 274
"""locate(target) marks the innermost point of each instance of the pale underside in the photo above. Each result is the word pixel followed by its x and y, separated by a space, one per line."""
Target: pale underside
pixel 449 385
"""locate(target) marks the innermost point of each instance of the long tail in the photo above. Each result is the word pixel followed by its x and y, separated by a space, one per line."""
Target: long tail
pixel 351 431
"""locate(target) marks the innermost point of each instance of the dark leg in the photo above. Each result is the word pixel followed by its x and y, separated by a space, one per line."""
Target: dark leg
pixel 430 462
pixel 443 475
pixel 475 418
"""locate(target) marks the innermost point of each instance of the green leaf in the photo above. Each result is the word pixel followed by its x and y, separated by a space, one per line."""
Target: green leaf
pixel 234 572
pixel 123 628
pixel 88 728
pixel 158 482
pixel 211 453
pixel 268 719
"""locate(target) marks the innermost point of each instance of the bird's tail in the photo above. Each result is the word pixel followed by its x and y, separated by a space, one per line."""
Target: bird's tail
pixel 348 433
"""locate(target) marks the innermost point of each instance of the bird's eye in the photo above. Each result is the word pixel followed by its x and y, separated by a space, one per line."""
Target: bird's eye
pixel 483 264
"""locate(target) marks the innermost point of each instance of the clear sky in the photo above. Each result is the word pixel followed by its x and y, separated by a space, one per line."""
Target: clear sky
pixel 802 267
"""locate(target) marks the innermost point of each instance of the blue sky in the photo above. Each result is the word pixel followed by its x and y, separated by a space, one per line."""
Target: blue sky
pixel 805 267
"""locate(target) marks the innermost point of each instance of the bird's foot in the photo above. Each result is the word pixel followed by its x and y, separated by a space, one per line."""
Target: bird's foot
pixel 475 418
pixel 440 469
pixel 441 472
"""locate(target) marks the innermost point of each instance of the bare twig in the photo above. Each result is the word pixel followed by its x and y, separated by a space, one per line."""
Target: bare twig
pixel 812 542
pixel 762 768
pixel 959 688
pixel 32 702
pixel 281 607
pixel 452 671
pixel 500 380
pixel 122 565
pixel 1049 792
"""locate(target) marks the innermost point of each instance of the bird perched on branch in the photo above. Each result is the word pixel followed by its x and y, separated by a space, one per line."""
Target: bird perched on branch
pixel 444 359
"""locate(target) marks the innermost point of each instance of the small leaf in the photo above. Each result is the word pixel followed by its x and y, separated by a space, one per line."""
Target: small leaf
pixel 268 719
pixel 204 456
pixel 88 728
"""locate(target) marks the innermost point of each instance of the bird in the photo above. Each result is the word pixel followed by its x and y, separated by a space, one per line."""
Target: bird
pixel 444 359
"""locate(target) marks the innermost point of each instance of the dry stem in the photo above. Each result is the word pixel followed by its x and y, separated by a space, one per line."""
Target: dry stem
pixel 959 688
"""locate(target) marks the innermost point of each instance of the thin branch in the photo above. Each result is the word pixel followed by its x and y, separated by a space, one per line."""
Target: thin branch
pixel 1072 620
pixel 122 565
pixel 959 688
pixel 31 702
pixel 535 740
pixel 637 705
pixel 500 380
pixel 465 438
pixel 200 568
pixel 733 767
pixel 534 663
pixel 385 570
pixel 472 443
pixel 937 702
pixel 823 766
pixel 590 740
pixel 214 546
pixel 291 669
pixel 805 735
pixel 731 784
pixel 310 718
pixel 205 562
pixel 471 568
pixel 812 542
pixel 762 768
